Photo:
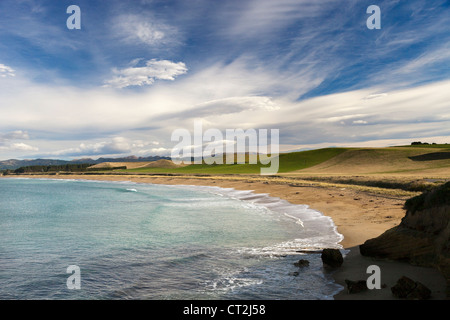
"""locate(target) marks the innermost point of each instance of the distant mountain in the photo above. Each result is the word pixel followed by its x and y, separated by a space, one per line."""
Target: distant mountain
pixel 14 163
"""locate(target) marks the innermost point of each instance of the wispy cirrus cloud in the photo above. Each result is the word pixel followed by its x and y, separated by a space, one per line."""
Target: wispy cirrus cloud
pixel 145 29
pixel 6 71
pixel 146 75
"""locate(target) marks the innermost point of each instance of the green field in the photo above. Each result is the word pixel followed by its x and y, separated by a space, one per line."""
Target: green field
pixel 287 162
pixel 410 168
pixel 438 146
pixel 409 160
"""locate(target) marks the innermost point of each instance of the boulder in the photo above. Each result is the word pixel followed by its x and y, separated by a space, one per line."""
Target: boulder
pixel 332 258
pixel 356 286
pixel 406 288
pixel 403 287
pixel 420 292
pixel 301 263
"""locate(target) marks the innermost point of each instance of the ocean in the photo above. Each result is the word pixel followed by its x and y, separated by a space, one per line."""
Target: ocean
pixel 147 241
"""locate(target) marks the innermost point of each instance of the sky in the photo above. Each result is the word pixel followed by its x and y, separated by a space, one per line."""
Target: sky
pixel 138 70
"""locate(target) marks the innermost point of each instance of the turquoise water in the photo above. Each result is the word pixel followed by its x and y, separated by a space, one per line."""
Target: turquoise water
pixel 143 241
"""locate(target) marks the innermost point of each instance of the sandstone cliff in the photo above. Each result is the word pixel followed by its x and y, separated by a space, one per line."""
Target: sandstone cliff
pixel 423 236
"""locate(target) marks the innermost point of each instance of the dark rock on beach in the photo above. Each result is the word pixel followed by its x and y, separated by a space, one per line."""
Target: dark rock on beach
pixel 356 286
pixel 406 288
pixel 332 258
pixel 403 287
pixel 423 236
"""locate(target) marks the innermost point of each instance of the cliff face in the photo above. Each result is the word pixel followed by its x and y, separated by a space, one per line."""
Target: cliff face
pixel 423 236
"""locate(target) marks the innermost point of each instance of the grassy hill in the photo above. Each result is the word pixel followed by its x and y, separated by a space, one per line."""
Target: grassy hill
pixel 424 160
pixel 288 162
pixel 402 160
pixel 411 168
pixel 411 160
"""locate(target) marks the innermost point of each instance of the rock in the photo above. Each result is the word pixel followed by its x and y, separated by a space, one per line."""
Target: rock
pixel 423 236
pixel 301 263
pixel 420 292
pixel 332 258
pixel 406 288
pixel 403 287
pixel 295 273
pixel 356 286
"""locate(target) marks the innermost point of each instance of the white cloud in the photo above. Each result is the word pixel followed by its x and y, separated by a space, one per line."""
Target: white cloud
pixel 22 147
pixel 432 57
pixel 226 96
pixel 157 151
pixel 7 145
pixel 117 145
pixel 17 147
pixel 17 134
pixel 262 17
pixel 375 96
pixel 6 71
pixel 142 144
pixel 225 106
pixel 243 103
pixel 146 75
pixel 145 29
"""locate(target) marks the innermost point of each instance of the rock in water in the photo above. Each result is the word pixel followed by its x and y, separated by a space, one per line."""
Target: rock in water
pixel 301 263
pixel 332 258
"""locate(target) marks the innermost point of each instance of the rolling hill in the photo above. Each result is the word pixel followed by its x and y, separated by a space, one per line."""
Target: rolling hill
pixel 402 160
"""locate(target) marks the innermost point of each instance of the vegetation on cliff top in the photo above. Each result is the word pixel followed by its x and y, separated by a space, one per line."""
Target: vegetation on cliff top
pixel 439 196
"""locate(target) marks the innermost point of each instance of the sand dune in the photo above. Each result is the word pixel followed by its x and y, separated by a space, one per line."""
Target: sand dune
pixel 162 164
pixel 111 165
pixel 135 165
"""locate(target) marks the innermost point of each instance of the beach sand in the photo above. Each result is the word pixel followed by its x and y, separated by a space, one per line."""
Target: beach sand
pixel 358 216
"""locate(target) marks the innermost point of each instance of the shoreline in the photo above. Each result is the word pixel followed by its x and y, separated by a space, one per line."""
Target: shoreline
pixel 357 215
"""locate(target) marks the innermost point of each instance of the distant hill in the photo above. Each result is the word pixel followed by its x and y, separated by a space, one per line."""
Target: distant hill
pixel 161 163
pixel 14 163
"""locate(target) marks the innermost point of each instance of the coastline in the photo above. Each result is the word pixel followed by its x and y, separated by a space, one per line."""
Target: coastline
pixel 357 215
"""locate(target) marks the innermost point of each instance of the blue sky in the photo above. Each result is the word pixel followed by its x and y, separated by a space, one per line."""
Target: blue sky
pixel 137 70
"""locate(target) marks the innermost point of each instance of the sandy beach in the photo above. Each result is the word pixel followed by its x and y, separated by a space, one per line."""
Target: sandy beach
pixel 358 216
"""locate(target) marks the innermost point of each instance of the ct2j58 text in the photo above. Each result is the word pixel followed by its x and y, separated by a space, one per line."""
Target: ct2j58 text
pixel 232 309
